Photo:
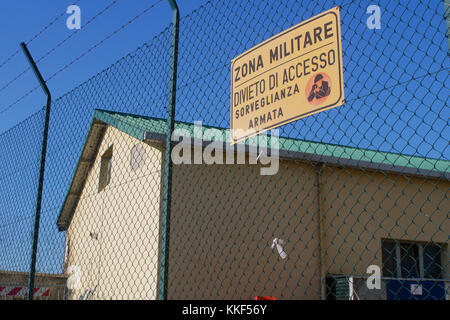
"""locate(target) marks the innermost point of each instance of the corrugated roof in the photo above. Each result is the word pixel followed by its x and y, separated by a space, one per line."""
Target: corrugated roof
pixel 137 126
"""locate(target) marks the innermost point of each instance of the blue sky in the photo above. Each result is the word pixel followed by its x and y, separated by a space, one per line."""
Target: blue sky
pixel 396 87
pixel 23 19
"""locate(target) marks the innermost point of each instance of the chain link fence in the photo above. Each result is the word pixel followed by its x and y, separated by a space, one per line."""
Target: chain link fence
pixel 350 203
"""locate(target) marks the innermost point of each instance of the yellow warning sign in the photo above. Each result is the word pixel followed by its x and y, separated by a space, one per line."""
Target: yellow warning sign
pixel 290 76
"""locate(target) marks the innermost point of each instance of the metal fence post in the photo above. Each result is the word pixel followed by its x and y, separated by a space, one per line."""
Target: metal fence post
pixel 168 157
pixel 41 171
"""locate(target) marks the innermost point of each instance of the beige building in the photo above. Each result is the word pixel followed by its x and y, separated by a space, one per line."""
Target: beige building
pixel 338 210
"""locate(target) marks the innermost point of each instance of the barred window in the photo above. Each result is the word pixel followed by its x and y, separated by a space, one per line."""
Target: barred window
pixel 405 259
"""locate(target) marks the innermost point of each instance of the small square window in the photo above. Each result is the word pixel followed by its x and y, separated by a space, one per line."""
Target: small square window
pixel 105 169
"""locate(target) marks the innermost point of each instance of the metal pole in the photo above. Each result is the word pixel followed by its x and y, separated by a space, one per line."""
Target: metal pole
pixel 168 156
pixel 41 172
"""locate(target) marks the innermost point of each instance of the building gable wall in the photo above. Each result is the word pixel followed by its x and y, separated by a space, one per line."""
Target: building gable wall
pixel 124 218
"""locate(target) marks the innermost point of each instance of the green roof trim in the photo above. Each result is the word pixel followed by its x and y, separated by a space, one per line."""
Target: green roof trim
pixel 142 127
pixel 137 126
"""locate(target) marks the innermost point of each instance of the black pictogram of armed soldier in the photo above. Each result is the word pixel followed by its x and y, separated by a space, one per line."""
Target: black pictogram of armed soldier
pixel 319 89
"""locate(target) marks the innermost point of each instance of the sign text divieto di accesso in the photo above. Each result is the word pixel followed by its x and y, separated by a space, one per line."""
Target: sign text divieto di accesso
pixel 290 76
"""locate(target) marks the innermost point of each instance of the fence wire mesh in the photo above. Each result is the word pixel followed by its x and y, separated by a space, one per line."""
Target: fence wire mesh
pixel 356 189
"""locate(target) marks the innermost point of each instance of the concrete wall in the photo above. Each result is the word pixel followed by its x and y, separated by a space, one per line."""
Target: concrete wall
pixel 224 218
pixel 362 208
